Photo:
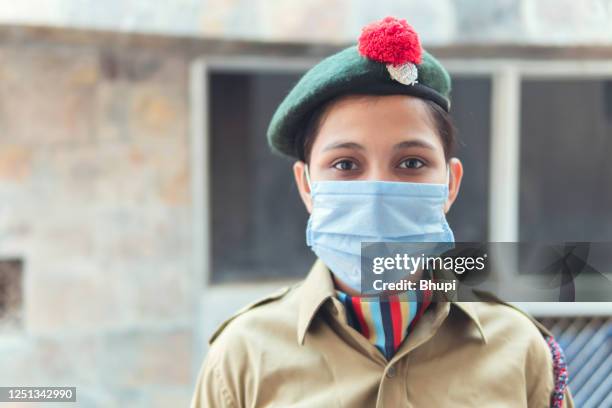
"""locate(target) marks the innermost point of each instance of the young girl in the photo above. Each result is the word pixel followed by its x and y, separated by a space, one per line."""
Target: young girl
pixel 370 129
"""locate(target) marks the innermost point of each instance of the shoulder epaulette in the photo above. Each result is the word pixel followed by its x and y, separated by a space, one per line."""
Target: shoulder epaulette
pixel 266 299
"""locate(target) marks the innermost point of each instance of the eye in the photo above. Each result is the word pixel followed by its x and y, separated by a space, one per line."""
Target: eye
pixel 345 165
pixel 411 164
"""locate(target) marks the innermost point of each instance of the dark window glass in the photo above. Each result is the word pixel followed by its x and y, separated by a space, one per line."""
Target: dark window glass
pixel 258 219
pixel 471 102
pixel 566 166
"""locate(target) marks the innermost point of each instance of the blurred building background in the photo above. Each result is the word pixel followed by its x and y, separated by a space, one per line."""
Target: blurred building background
pixel 140 205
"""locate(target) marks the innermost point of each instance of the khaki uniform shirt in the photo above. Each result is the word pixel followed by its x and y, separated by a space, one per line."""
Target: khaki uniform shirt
pixel 296 349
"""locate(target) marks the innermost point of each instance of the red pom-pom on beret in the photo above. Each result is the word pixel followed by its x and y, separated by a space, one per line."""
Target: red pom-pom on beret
pixel 391 41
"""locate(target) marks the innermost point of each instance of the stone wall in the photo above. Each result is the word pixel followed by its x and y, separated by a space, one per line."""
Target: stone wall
pixel 441 22
pixel 95 200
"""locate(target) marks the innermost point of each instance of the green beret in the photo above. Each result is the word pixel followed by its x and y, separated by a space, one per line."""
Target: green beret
pixel 388 61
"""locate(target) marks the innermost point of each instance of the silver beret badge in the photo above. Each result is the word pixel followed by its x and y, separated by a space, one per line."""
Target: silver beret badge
pixel 405 73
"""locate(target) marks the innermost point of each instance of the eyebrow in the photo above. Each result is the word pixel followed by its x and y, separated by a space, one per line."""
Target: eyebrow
pixel 414 143
pixel 402 145
pixel 343 145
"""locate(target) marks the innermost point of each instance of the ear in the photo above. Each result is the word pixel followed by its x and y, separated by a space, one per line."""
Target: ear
pixel 299 173
pixel 454 182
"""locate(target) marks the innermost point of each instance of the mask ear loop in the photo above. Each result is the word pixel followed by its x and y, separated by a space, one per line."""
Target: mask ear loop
pixel 307 177
pixel 447 179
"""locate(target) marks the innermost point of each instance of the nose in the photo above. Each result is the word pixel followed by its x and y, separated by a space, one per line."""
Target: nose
pixel 378 171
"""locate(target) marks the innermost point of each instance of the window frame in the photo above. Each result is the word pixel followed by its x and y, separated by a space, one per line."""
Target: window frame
pixel 506 76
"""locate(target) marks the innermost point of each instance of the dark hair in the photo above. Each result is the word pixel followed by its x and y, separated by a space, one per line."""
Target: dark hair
pixel 442 121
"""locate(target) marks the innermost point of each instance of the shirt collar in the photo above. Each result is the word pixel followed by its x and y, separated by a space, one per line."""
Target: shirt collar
pixel 318 287
pixel 468 309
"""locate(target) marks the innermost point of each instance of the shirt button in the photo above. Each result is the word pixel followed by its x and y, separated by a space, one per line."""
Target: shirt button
pixel 391 372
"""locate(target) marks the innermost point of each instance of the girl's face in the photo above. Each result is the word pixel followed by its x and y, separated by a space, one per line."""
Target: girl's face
pixel 390 138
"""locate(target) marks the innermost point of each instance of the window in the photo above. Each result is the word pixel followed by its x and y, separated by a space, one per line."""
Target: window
pixel 566 164
pixel 11 299
pixel 552 187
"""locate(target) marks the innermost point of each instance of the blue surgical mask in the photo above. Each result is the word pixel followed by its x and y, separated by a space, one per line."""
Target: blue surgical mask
pixel 347 213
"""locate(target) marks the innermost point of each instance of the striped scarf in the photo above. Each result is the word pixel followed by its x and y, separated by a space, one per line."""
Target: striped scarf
pixel 385 321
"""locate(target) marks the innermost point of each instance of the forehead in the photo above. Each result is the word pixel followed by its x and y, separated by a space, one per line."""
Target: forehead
pixel 377 119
